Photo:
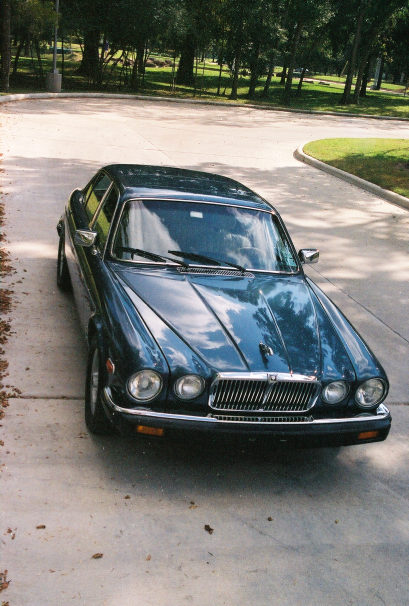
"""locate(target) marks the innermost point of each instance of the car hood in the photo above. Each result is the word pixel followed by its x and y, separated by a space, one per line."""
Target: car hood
pixel 236 323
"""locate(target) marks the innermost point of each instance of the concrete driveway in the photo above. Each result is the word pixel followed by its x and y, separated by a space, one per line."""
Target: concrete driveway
pixel 314 527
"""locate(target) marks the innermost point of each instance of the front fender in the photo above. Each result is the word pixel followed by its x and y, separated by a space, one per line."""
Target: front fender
pixel 363 360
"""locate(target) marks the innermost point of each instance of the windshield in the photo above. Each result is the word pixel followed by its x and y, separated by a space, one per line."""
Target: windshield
pixel 249 238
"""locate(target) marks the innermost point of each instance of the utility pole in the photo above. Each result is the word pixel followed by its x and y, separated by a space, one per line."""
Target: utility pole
pixel 54 78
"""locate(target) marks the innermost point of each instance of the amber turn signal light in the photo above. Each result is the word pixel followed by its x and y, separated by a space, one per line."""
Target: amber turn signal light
pixel 368 435
pixel 150 431
pixel 110 366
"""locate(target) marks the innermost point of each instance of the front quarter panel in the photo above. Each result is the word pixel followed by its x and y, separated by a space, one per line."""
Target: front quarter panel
pixel 127 340
pixel 363 360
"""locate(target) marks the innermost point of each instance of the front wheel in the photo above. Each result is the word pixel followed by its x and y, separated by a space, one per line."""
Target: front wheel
pixel 95 417
pixel 63 276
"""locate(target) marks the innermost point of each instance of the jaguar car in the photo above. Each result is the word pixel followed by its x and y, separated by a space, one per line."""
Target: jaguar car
pixel 199 317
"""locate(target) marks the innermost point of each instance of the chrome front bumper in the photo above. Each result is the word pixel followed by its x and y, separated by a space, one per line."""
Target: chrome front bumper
pixel 279 425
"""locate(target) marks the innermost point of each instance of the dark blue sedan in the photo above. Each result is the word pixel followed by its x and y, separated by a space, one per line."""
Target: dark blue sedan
pixel 199 316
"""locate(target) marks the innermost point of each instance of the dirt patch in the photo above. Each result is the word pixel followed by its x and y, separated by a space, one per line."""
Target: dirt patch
pixel 6 301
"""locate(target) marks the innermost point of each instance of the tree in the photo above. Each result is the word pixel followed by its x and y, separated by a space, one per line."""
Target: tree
pixel 196 27
pixel 372 19
pixel 33 22
pixel 89 19
pixel 5 17
pixel 394 49
pixel 303 15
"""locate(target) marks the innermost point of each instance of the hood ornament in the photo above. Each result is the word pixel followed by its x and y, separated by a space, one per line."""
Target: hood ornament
pixel 265 349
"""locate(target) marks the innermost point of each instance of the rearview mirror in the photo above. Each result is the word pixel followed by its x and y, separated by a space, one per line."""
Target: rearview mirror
pixel 309 255
pixel 85 237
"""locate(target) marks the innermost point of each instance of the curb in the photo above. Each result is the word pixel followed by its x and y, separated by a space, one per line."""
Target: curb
pixel 390 196
pixel 23 96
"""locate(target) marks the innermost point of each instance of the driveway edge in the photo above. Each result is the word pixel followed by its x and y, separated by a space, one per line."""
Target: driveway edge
pixel 46 95
pixel 390 196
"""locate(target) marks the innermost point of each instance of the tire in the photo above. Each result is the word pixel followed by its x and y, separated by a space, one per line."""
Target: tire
pixel 63 276
pixel 95 417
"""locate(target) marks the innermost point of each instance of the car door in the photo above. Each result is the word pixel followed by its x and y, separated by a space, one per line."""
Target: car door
pixel 95 270
pixel 82 216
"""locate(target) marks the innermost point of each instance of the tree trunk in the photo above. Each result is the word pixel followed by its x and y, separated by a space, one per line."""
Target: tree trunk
pixel 299 87
pixel 294 46
pixel 134 75
pixel 16 58
pixel 365 78
pixel 254 73
pixel 40 63
pixel 90 59
pixel 186 63
pixel 5 13
pixel 233 94
pixel 220 62
pixel 283 74
pixel 378 83
pixel 346 95
pixel 267 83
pixel 62 55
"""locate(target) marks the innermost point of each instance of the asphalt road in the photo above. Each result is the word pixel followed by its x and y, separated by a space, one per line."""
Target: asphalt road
pixel 290 528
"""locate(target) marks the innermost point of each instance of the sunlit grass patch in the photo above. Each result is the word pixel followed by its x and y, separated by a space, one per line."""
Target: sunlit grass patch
pixel 384 162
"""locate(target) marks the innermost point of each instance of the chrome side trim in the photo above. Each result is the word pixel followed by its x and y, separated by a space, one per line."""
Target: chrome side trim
pixel 381 413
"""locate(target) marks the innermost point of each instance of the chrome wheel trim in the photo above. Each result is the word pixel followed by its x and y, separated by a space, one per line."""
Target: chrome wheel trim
pixel 94 382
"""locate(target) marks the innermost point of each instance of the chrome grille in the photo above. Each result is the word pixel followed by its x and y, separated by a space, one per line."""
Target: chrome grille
pixel 263 392
pixel 264 419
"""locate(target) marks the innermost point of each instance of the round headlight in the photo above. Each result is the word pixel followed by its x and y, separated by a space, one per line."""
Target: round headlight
pixel 145 385
pixel 189 387
pixel 335 392
pixel 370 393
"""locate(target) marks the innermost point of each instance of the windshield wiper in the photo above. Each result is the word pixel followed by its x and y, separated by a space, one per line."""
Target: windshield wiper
pixel 150 255
pixel 197 257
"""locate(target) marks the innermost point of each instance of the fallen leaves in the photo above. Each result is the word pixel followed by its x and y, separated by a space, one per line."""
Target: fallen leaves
pixel 41 527
pixel 208 529
pixel 4 583
pixel 97 556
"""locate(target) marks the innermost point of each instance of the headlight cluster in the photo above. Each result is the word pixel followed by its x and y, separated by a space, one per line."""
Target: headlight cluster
pixel 335 392
pixel 146 385
pixel 369 394
pixel 189 387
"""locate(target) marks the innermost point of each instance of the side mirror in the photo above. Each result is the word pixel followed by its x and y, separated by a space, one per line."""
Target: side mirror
pixel 309 255
pixel 85 237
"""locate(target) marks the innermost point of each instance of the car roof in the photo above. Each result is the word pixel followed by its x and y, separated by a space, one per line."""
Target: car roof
pixel 147 181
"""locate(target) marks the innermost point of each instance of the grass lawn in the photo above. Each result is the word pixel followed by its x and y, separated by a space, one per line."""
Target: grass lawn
pixel 384 162
pixel 159 81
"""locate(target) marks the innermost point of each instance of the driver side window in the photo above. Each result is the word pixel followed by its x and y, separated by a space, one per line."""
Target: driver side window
pixel 95 193
pixel 104 218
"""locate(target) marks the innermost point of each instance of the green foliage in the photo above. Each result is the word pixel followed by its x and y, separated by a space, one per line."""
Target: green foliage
pixel 33 19
pixel 246 39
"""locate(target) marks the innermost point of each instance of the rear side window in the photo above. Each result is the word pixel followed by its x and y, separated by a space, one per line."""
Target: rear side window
pixel 103 220
pixel 95 193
